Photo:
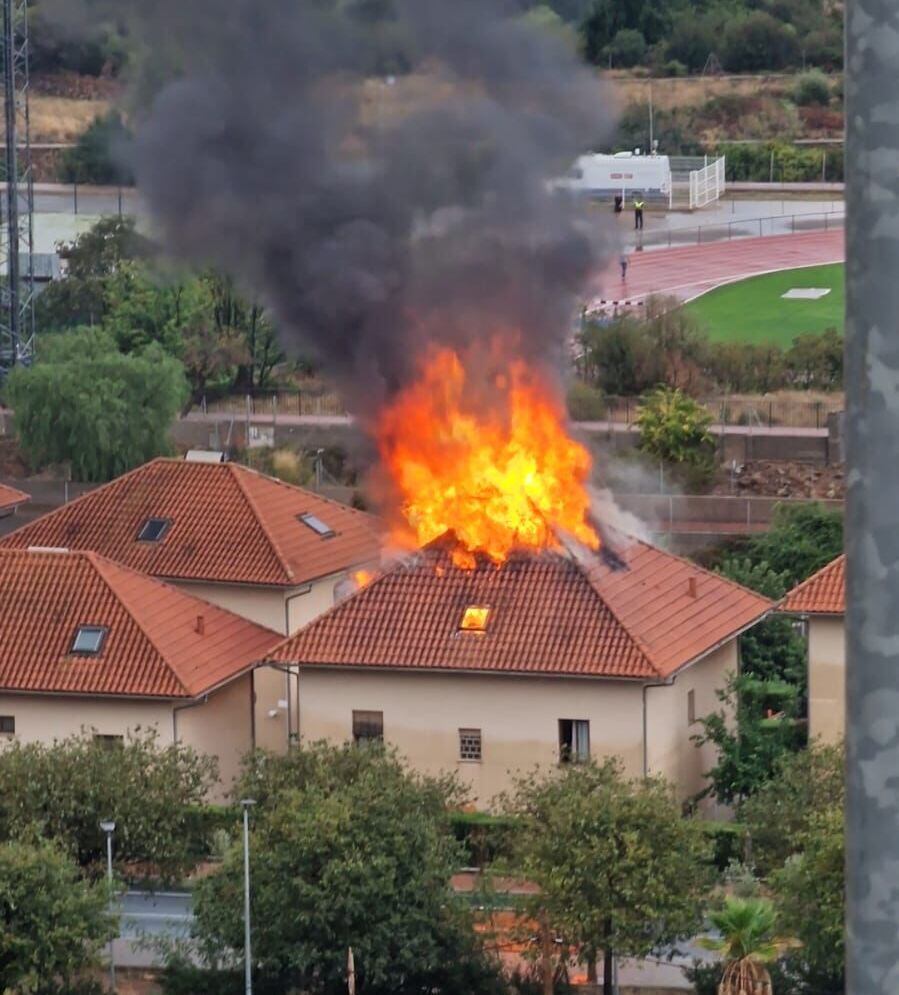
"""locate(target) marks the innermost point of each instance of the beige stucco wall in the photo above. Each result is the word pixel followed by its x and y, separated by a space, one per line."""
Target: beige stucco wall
pixel 221 727
pixel 43 718
pixel 670 751
pixel 283 610
pixel 518 718
pixel 826 677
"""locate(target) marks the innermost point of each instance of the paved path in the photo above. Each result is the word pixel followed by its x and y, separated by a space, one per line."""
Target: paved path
pixel 690 271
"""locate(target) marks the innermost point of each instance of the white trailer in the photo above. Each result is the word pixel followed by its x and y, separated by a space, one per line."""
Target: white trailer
pixel 624 173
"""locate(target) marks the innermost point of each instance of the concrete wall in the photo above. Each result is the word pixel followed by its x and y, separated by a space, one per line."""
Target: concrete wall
pixel 669 726
pixel 826 677
pixel 518 718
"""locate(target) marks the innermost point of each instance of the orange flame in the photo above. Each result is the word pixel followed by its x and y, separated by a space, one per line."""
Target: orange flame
pixel 500 476
pixel 362 578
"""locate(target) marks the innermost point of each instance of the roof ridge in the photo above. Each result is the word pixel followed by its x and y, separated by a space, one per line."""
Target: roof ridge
pixel 257 514
pixel 811 577
pixel 100 564
pixel 300 489
pixel 63 508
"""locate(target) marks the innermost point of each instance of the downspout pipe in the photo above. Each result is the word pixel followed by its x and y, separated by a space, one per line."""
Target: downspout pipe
pixel 646 687
pixel 290 673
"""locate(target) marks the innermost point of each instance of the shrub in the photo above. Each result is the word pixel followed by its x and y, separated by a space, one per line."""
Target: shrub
pixel 727 840
pixel 627 48
pixel 484 837
pixel 98 155
pixel 811 88
pixel 674 428
pixel 585 403
pixel 674 68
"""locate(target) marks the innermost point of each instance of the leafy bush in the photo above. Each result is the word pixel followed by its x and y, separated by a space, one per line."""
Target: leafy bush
pixel 674 67
pixel 85 403
pixel 62 791
pixel 675 429
pixel 98 155
pixel 54 923
pixel 627 48
pixel 484 837
pixel 728 839
pixel 811 88
pixel 585 403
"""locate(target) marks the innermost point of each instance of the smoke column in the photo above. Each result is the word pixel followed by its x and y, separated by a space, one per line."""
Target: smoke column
pixel 375 213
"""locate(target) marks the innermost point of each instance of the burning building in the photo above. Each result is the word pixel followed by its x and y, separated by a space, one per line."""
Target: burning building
pixel 550 657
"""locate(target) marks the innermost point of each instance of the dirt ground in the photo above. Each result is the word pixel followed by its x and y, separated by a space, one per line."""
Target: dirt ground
pixel 783 479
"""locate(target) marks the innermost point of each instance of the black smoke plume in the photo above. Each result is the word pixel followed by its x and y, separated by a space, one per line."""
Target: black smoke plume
pixel 377 170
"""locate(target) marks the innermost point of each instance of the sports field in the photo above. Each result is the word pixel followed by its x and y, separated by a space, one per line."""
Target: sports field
pixel 754 310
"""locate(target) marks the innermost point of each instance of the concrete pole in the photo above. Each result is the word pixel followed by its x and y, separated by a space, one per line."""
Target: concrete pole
pixel 872 519
pixel 247 952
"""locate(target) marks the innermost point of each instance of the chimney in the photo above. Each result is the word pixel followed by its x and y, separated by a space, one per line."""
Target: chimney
pixel 200 626
pixel 691 587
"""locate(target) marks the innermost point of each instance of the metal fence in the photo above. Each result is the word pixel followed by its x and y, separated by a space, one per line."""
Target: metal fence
pixel 707 183
pixel 760 411
pixel 714 513
pixel 303 402
pixel 725 231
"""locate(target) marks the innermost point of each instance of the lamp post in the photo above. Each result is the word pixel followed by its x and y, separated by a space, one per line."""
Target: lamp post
pixel 248 957
pixel 108 827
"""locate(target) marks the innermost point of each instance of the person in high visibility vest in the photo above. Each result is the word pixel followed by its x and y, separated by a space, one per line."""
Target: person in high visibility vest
pixel 638 212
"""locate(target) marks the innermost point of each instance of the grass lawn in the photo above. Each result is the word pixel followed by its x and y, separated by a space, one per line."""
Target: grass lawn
pixel 753 310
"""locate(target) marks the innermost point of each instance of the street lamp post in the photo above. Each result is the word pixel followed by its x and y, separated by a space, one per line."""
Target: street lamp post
pixel 248 957
pixel 108 827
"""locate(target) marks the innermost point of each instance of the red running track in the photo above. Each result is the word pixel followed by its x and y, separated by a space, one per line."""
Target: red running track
pixel 690 271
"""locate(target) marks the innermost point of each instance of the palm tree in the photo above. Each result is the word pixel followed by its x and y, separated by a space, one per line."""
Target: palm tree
pixel 746 942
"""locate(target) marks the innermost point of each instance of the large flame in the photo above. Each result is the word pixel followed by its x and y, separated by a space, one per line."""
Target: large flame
pixel 499 476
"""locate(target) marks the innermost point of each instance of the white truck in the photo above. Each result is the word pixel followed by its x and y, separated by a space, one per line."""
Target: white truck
pixel 624 173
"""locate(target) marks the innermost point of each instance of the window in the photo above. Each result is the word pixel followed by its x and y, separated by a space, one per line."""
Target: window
pixel 89 640
pixel 153 529
pixel 7 725
pixel 470 744
pixel 474 618
pixel 317 525
pixel 368 727
pixel 109 740
pixel 574 740
pixel 691 707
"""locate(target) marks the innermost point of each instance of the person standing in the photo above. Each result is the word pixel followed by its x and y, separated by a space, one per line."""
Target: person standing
pixel 619 203
pixel 638 212
pixel 623 263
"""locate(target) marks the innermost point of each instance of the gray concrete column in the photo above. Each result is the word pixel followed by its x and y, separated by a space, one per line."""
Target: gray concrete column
pixel 872 380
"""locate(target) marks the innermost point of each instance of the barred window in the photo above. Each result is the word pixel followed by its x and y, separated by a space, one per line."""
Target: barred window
pixel 7 725
pixel 469 744
pixel 691 707
pixel 368 727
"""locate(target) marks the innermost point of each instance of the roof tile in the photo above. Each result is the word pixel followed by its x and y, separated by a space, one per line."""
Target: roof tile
pixel 824 593
pixel 229 524
pixel 549 613
pixel 152 646
pixel 10 497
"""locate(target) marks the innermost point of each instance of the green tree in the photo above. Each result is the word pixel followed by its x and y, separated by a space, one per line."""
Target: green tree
pixel 810 896
pixel 99 154
pixel 675 429
pixel 361 854
pixel 627 48
pixel 52 923
pixel 62 791
pixel 759 41
pixel 778 815
pixel 749 739
pixel 87 404
pixel 619 869
pixel 811 88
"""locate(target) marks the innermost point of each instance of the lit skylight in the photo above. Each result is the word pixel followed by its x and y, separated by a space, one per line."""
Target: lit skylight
pixel 474 618
pixel 88 640
pixel 317 525
pixel 153 529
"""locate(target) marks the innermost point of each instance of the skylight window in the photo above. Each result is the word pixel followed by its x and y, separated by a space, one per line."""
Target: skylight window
pixel 153 529
pixel 317 525
pixel 89 640
pixel 474 618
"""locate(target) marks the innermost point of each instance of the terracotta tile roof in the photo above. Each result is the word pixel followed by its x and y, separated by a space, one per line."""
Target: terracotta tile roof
pixel 10 497
pixel 227 524
pixel 824 593
pixel 151 648
pixel 549 613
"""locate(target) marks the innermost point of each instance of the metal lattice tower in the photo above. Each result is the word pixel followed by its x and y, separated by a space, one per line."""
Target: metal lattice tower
pixel 17 228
